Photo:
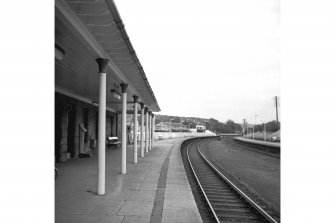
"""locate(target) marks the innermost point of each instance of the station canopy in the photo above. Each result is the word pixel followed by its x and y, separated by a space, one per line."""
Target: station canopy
pixel 89 29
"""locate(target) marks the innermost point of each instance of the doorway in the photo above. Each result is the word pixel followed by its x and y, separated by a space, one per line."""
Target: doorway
pixel 70 131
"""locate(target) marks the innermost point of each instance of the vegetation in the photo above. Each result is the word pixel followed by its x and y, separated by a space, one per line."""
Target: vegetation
pixel 211 124
pixel 214 125
pixel 272 126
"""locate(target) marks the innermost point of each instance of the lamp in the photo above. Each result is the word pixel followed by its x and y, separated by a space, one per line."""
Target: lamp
pixel 115 92
pixel 59 52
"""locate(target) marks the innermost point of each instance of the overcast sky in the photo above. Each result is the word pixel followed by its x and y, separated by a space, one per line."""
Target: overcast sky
pixel 214 58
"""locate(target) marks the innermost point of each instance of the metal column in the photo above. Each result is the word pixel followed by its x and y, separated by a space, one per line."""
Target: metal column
pixel 146 130
pixel 124 129
pixel 142 129
pixel 135 128
pixel 153 130
pixel 102 126
pixel 149 132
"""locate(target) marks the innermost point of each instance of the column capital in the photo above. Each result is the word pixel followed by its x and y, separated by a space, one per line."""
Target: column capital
pixel 124 87
pixel 153 115
pixel 102 63
pixel 135 98
pixel 146 110
pixel 150 112
pixel 142 105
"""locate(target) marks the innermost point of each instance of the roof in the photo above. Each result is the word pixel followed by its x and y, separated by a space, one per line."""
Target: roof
pixel 86 30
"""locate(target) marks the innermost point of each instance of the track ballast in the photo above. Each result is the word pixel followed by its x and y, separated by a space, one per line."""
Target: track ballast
pixel 226 201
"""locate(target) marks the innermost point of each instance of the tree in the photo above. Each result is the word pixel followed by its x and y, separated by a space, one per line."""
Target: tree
pixel 189 124
pixel 272 126
pixel 176 120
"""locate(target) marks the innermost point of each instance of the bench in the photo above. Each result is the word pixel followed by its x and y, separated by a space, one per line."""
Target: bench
pixel 112 141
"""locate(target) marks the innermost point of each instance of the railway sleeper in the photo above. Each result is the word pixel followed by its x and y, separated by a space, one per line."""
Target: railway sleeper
pixel 213 183
pixel 232 211
pixel 220 193
pixel 206 176
pixel 210 180
pixel 223 199
pixel 232 206
pixel 227 202
pixel 238 220
pixel 237 217
pixel 218 190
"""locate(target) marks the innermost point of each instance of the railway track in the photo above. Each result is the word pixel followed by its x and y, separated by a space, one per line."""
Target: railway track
pixel 225 200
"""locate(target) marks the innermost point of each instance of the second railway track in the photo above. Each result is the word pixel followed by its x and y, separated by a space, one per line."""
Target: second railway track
pixel 226 201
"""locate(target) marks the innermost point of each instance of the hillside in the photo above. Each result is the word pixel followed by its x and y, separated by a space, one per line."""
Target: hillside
pixel 211 124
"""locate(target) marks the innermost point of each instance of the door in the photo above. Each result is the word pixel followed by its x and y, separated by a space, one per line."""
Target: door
pixel 70 131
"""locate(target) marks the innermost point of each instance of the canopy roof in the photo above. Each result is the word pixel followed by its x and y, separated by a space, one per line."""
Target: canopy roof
pixel 86 30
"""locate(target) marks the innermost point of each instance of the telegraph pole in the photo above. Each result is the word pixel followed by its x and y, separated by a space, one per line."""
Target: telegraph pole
pixel 253 129
pixel 276 104
pixel 264 130
pixel 243 127
pixel 247 127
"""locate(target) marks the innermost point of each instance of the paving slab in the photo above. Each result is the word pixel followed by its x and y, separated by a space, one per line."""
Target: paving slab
pixel 138 208
pixel 131 197
pixel 182 216
pixel 179 203
pixel 105 210
pixel 136 219
pixel 69 218
pixel 148 186
pixel 102 219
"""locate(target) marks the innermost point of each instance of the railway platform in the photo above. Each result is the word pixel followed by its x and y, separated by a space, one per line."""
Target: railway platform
pixel 156 189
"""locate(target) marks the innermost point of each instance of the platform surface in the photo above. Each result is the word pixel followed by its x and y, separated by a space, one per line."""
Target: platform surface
pixel 155 189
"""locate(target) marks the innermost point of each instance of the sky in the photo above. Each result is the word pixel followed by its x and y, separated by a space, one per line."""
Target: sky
pixel 209 59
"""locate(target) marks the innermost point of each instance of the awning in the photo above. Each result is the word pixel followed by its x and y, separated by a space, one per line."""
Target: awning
pixel 84 31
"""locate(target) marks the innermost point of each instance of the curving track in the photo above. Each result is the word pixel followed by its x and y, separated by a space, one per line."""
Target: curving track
pixel 227 203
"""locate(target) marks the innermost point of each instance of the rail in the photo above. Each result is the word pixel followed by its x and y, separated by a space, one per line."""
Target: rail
pixel 249 200
pixel 202 190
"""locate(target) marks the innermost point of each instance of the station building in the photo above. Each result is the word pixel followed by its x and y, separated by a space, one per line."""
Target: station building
pixel 98 79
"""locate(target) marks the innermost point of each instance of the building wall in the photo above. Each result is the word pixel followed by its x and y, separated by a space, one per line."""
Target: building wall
pixel 63 139
pixel 115 126
pixel 92 134
pixel 119 125
pixel 82 142
pixel 78 121
pixel 171 135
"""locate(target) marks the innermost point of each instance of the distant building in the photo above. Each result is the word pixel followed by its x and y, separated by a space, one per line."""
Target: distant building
pixel 170 127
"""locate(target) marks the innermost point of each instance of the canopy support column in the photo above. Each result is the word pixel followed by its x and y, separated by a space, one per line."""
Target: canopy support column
pixel 124 129
pixel 146 129
pixel 102 126
pixel 149 132
pixel 153 130
pixel 135 128
pixel 142 129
